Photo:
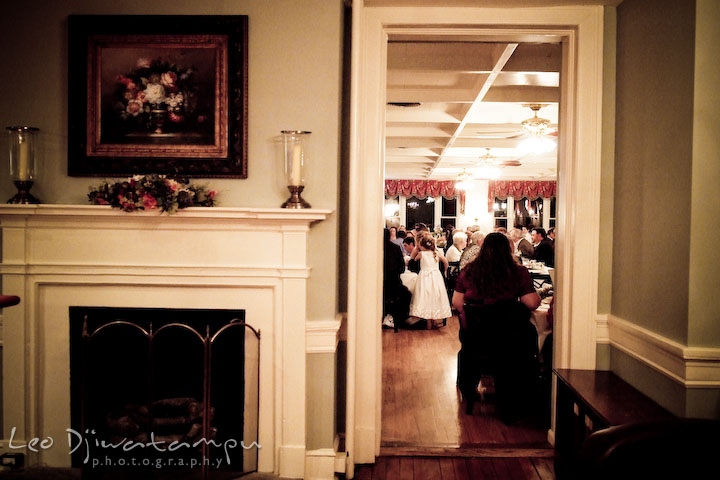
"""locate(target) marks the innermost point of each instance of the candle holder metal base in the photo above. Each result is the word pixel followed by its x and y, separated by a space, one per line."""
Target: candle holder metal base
pixel 23 195
pixel 295 200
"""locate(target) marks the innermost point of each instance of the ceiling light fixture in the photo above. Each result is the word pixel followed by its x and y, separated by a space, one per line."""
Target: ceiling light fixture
pixel 463 180
pixel 486 168
pixel 537 143
pixel 536 126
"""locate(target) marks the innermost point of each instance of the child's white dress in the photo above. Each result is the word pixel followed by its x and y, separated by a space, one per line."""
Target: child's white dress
pixel 430 299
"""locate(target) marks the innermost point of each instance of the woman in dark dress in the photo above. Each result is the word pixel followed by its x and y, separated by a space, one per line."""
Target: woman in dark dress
pixel 496 333
pixel 494 276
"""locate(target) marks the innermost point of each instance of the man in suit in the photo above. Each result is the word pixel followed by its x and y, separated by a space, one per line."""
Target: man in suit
pixel 396 298
pixel 520 244
pixel 544 251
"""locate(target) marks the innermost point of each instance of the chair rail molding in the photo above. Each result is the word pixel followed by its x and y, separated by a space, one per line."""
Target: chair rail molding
pixel 692 367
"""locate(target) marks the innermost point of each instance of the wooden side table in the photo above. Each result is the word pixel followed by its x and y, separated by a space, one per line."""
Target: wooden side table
pixel 590 400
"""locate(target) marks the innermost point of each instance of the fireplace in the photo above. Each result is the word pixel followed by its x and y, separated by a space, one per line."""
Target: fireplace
pixel 177 387
pixel 59 256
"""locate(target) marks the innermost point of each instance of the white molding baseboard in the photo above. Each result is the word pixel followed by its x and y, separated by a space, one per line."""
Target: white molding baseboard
pixel 322 336
pixel 692 367
pixel 320 464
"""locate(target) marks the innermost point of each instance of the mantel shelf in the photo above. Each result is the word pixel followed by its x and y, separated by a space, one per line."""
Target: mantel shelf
pixel 308 215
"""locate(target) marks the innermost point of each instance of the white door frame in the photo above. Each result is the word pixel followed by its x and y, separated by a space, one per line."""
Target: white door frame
pixel 580 28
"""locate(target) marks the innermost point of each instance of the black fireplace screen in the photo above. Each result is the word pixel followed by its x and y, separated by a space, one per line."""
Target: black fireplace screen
pixel 163 393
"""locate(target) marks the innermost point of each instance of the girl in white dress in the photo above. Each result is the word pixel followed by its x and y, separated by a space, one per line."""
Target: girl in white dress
pixel 429 300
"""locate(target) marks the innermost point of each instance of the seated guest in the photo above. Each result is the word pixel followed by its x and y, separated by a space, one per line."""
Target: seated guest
pixel 396 298
pixel 469 254
pixel 394 236
pixel 496 282
pixel 521 246
pixel 401 235
pixel 551 234
pixel 459 242
pixel 409 245
pixel 544 251
pixel 493 276
pixel 527 233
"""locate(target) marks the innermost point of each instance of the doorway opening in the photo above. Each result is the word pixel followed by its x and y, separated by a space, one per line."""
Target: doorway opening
pixel 580 30
pixel 455 108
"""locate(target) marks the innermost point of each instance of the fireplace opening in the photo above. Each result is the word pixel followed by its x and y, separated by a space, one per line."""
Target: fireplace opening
pixel 163 392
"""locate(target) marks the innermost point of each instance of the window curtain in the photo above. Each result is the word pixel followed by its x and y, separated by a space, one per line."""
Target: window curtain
pixel 519 189
pixel 425 188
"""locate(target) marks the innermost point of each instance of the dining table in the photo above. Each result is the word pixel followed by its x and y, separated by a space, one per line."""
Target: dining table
pixel 542 322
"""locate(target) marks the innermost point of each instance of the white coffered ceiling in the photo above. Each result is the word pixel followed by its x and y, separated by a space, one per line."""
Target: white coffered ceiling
pixel 450 100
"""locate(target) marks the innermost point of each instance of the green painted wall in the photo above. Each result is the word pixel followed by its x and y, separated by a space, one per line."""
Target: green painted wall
pixel 663 390
pixel 602 356
pixel 694 402
pixel 667 170
pixel 295 82
pixel 653 164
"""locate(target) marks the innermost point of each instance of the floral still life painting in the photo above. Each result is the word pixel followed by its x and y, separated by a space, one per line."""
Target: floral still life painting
pixel 159 97
pixel 150 192
pixel 164 94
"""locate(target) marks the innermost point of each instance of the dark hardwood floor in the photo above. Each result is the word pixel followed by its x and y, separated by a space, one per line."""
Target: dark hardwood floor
pixel 425 432
pixel 456 468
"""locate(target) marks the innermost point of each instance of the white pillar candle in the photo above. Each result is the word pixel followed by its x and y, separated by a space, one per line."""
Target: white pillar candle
pixel 23 164
pixel 296 165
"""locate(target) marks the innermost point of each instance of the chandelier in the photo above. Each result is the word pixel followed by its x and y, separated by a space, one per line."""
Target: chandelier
pixel 463 180
pixel 487 166
pixel 536 126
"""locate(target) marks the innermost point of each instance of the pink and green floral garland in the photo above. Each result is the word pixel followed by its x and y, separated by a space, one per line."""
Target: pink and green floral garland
pixel 150 192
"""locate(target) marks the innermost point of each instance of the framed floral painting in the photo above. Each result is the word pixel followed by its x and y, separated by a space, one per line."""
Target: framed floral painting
pixel 157 94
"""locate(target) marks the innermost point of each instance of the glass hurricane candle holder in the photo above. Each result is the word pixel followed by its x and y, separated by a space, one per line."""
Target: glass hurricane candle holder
pixel 23 168
pixel 294 161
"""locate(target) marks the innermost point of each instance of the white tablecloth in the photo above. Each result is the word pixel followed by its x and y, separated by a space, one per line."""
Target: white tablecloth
pixel 539 318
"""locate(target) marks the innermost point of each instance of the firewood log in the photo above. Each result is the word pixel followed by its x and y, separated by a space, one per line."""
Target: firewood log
pixel 123 426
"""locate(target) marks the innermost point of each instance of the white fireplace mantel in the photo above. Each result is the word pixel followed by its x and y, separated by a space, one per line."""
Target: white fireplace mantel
pixel 57 256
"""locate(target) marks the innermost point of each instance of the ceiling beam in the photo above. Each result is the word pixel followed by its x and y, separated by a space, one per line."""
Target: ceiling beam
pixel 430 95
pixel 423 115
pixel 414 142
pixel 523 94
pixel 502 59
pixel 462 57
pixel 539 57
pixel 409 130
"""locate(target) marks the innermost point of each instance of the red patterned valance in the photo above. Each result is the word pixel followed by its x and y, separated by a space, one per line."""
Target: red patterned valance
pixel 519 189
pixel 425 188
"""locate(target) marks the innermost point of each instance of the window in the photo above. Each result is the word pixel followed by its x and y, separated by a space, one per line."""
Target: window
pixel 528 213
pixel 448 212
pixel 420 211
pixel 552 212
pixel 392 210
pixel 500 212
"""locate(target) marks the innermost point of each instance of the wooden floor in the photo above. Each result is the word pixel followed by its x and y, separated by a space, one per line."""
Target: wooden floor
pixel 456 468
pixel 425 431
